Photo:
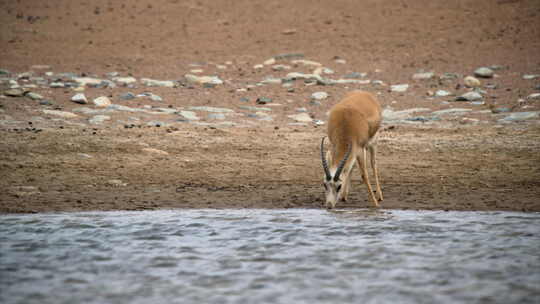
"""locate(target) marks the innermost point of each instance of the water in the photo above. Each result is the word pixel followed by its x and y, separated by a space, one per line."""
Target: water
pixel 270 256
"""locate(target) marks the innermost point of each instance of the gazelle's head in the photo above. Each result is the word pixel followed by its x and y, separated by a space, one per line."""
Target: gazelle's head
pixel 333 183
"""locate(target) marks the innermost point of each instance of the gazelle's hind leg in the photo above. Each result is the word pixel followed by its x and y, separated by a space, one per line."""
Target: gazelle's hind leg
pixel 362 160
pixel 372 155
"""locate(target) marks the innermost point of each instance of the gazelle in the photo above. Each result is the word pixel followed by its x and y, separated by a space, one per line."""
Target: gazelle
pixel 352 130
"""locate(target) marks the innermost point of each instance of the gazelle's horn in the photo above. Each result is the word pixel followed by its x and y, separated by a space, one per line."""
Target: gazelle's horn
pixel 324 163
pixel 342 164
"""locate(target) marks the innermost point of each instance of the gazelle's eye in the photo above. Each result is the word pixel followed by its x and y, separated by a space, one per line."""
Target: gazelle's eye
pixel 338 188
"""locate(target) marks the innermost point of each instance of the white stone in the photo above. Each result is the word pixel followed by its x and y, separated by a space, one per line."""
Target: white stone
pixel 534 96
pixel 124 80
pixel 211 109
pixel 391 115
pixel 452 111
pixel 271 80
pixel 98 119
pixel 270 61
pixel 471 96
pixel 189 115
pixel 520 116
pixel 84 81
pixel 472 82
pixel 34 96
pixel 423 76
pixel 531 76
pixel 319 95
pixel 296 75
pixel 399 88
pixel 484 72
pixel 203 79
pixel 62 114
pixel 102 102
pixel 79 98
pixel 306 62
pixel 442 93
pixel 157 83
pixel 155 151
pixel 302 117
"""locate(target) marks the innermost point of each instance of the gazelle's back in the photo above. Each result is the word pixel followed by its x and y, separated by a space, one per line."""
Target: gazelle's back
pixel 356 117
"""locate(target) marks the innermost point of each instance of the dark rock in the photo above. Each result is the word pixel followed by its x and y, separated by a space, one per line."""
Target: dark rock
pixel 263 100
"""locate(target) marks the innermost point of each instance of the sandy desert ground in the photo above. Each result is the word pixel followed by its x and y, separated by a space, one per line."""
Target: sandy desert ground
pixel 247 136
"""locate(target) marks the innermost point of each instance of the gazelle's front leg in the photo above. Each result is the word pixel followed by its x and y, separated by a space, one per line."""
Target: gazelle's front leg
pixel 347 184
pixel 372 151
pixel 362 159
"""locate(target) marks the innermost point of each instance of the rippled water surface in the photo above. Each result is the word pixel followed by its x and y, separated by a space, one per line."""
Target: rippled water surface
pixel 270 256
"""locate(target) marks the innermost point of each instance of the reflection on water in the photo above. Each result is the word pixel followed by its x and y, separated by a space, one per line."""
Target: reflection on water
pixel 270 256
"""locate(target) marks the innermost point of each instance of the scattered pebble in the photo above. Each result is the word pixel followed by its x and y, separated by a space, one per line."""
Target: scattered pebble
pixel 302 117
pixel 281 67
pixel 189 115
pixel 211 109
pixel 423 76
pixel 102 102
pixel 534 96
pixel 270 61
pixel 157 83
pixel 14 92
pixel 62 114
pixel 271 80
pixel 442 93
pixel 124 81
pixel 400 88
pixel 530 76
pixel 116 183
pixel 288 32
pixel 472 82
pixel 98 119
pixel 519 116
pixel 355 75
pixel 484 72
pixel 34 96
pixel 319 95
pixel 263 100
pixel 203 79
pixel 306 62
pixel 155 151
pixel 470 96
pixel 88 81
pixel 127 96
pixel 79 98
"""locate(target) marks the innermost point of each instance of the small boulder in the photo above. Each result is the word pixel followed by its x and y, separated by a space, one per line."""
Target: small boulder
pixel 484 72
pixel 79 98
pixel 102 102
pixel 472 82
pixel 470 96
